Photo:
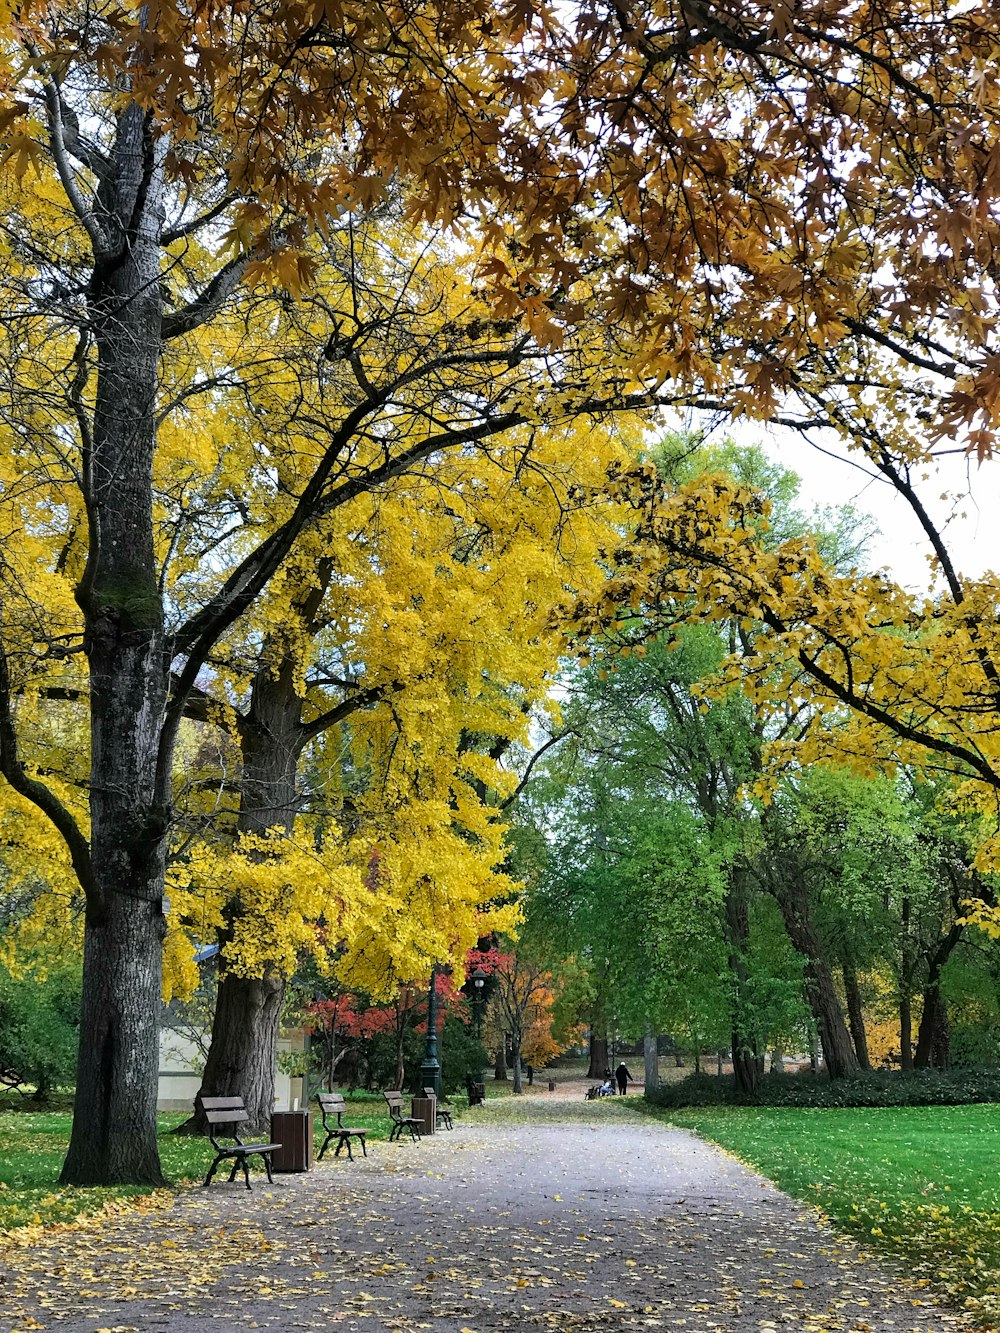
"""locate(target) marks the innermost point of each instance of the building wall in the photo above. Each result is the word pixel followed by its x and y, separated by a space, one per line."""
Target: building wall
pixel 181 1065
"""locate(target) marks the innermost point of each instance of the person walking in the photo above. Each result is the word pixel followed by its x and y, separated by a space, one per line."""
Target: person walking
pixel 622 1075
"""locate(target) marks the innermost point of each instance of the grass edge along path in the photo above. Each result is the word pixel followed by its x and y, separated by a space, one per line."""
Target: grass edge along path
pixel 918 1183
pixel 33 1146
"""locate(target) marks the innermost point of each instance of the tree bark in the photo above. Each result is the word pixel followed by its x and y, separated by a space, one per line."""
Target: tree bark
pixel 838 1049
pixel 855 1015
pixel 114 1124
pixel 737 936
pixel 243 1052
pixel 599 1055
pixel 651 1060
pixel 500 1065
pixel 515 1061
pixel 905 1033
pixel 933 1034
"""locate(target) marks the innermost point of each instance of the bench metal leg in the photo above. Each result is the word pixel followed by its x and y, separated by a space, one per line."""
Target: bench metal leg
pixel 211 1171
pixel 246 1170
pixel 364 1150
pixel 267 1167
pixel 326 1143
pixel 236 1167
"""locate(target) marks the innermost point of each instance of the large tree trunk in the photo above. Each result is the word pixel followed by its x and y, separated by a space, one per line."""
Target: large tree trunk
pixel 905 1033
pixel 934 1034
pixel 500 1064
pixel 241 1058
pixel 737 936
pixel 651 1060
pixel 599 1054
pixel 114 1124
pixel 855 1015
pixel 838 1049
pixel 243 1053
pixel 515 1061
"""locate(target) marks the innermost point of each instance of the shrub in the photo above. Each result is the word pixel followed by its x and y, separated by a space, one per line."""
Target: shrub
pixel 39 1023
pixel 923 1087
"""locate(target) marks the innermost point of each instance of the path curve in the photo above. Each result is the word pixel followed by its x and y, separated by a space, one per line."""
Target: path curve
pixel 609 1223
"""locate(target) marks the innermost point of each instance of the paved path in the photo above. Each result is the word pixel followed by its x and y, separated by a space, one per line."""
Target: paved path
pixel 610 1223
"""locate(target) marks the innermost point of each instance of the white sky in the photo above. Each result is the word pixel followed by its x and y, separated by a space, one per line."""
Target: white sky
pixel 971 520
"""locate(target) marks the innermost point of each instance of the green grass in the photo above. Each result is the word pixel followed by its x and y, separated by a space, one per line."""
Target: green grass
pixel 918 1182
pixel 33 1145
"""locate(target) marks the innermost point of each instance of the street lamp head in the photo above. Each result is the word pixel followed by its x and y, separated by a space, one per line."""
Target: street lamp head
pixel 478 978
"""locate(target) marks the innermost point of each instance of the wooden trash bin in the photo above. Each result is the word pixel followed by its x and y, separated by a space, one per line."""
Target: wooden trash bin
pixel 294 1131
pixel 425 1110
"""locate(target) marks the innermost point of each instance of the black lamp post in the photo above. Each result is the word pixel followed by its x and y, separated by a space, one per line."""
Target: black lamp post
pixel 479 981
pixel 430 1066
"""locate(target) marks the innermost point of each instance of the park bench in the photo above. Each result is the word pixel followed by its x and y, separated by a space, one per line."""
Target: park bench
pixel 441 1116
pixel 333 1104
pixel 222 1111
pixel 400 1122
pixel 599 1090
pixel 476 1091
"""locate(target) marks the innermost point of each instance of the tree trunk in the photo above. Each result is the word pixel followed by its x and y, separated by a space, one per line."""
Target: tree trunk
pixel 599 1055
pixel 242 1057
pixel 244 1036
pixel 114 1124
pixel 838 1049
pixel 737 912
pixel 905 1033
pixel 500 1066
pixel 651 1060
pixel 933 1034
pixel 515 1061
pixel 855 1015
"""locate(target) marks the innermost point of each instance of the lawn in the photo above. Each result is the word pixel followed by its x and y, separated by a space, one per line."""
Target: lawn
pixel 33 1144
pixel 921 1182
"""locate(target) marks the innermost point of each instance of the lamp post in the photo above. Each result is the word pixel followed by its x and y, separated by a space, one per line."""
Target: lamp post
pixel 430 1066
pixel 479 981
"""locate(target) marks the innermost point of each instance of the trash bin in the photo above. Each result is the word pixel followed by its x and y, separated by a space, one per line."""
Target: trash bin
pixel 425 1110
pixel 552 1085
pixel 294 1131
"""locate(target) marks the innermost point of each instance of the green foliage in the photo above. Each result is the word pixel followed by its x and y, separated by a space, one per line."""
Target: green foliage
pixel 919 1183
pixel 882 1088
pixel 39 1025
pixel 460 1054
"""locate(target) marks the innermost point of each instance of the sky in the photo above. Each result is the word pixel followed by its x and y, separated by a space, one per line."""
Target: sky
pixel 971 519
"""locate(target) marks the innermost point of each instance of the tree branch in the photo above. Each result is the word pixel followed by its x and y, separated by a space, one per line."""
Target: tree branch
pixel 364 699
pixel 67 176
pixel 39 794
pixel 553 740
pixel 207 304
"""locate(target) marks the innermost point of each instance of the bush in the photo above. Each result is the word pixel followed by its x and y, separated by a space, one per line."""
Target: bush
pixel 39 1023
pixel 922 1087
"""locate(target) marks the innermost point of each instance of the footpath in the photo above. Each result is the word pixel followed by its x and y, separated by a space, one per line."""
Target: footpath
pixel 543 1216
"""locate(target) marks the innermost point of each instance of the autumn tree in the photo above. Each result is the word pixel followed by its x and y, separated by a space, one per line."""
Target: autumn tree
pixel 185 156
pixel 147 286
